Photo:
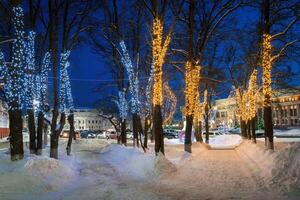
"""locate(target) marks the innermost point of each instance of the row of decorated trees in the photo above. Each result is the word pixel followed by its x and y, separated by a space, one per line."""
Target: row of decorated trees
pixel 191 47
pixel 28 60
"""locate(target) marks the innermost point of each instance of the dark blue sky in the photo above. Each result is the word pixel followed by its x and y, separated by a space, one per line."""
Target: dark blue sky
pixel 88 70
pixel 86 73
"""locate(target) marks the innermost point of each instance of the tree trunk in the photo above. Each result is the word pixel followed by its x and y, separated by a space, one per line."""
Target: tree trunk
pixel 123 133
pixel 268 127
pixel 147 126
pixel 158 130
pixel 16 137
pixel 45 135
pixel 135 127
pixel 249 129
pixel 71 132
pixel 253 130
pixel 198 131
pixel 243 131
pixel 140 131
pixel 55 137
pixel 53 47
pixel 188 134
pixel 206 126
pixel 267 85
pixel 32 131
pixel 40 133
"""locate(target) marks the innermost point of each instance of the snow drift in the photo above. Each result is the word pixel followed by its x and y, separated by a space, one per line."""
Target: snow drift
pixel 281 167
pixel 54 173
pixel 225 142
pixel 134 163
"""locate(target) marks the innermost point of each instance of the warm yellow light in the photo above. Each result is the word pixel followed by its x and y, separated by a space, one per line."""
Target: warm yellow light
pixel 192 77
pixel 172 101
pixel 240 98
pixel 252 93
pixel 267 66
pixel 159 50
pixel 198 109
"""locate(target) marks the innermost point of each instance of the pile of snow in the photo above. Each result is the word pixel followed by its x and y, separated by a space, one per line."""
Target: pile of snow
pixel 286 171
pixel 261 159
pixel 225 142
pixel 3 140
pixel 54 173
pixel 134 163
pixel 281 168
pixel 289 132
pixel 173 141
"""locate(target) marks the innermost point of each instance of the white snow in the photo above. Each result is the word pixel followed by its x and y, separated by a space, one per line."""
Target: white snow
pixel 135 163
pixel 225 141
pixel 98 169
pixel 281 167
pixel 54 173
pixel 288 132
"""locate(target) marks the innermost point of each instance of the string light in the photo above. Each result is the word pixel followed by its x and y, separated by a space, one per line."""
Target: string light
pixel 63 78
pixel 192 77
pixel 14 79
pixel 70 102
pixel 149 90
pixel 240 103
pixel 198 111
pixel 169 105
pixel 133 79
pixel 44 82
pixel 3 68
pixel 122 105
pixel 267 66
pixel 252 93
pixel 29 75
pixel 158 52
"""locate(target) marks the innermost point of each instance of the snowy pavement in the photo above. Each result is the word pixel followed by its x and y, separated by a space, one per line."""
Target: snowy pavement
pixel 99 170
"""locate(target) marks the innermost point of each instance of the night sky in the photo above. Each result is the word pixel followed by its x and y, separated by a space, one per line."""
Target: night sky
pixel 88 70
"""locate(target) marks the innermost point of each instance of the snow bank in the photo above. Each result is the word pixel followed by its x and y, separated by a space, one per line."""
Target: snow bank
pixel 134 163
pixel 4 140
pixel 173 141
pixel 225 142
pixel 286 171
pixel 54 173
pixel 290 132
pixel 281 168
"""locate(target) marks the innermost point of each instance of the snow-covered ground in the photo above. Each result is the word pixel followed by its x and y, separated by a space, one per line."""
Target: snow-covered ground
pixel 225 141
pixel 288 132
pixel 229 141
pixel 98 169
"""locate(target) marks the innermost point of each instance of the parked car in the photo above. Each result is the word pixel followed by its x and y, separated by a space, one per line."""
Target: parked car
pixel 129 135
pixel 101 135
pixel 87 135
pixel 170 134
pixel 65 134
pixel 112 135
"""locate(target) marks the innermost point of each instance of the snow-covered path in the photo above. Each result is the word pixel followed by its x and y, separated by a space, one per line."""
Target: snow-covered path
pixel 112 172
pixel 220 174
pixel 206 174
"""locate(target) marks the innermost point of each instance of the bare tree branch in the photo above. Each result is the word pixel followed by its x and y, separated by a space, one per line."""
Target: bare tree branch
pixel 286 29
pixel 282 51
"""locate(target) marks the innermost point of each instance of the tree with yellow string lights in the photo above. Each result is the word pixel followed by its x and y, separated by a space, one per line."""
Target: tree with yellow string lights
pixel 268 59
pixel 252 102
pixel 198 113
pixel 192 77
pixel 159 50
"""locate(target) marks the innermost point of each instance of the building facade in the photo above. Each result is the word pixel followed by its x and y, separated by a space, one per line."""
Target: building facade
pixel 285 110
pixel 89 119
pixel 4 119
